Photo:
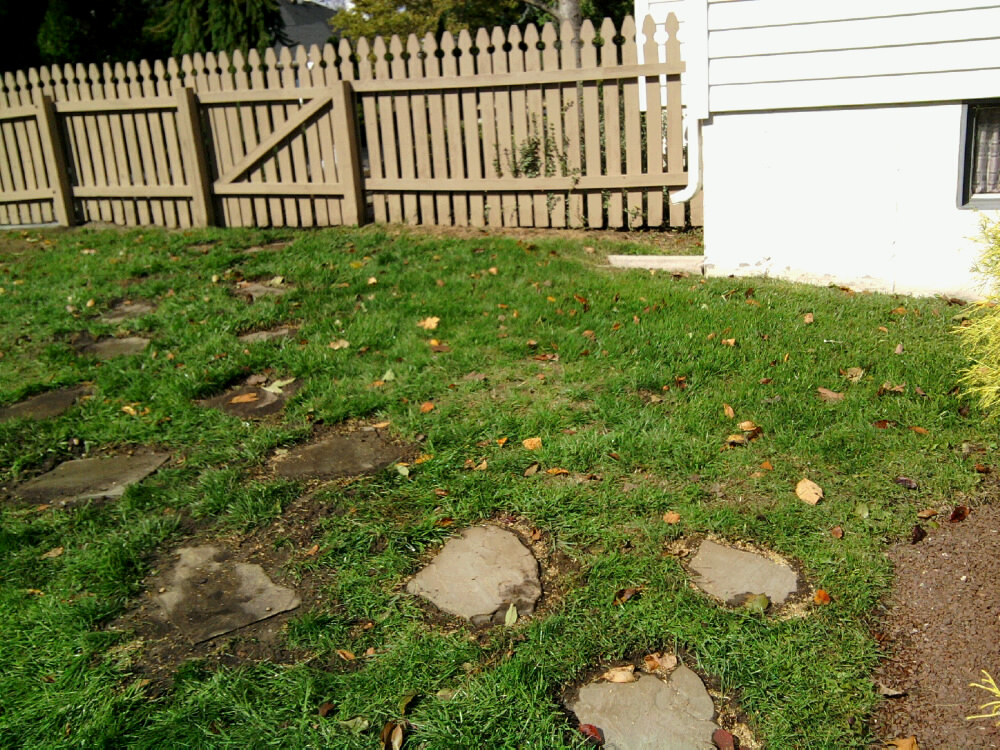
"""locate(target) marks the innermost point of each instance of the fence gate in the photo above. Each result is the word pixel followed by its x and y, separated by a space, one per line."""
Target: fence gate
pixel 503 128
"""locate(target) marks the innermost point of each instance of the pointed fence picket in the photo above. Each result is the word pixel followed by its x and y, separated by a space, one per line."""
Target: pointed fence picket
pixel 510 127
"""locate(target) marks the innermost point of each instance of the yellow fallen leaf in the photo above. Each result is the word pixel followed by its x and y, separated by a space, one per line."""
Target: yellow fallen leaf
pixel 422 459
pixel 808 491
pixel 501 441
pixel 807 318
pixel 54 552
pixel 339 344
pixel 372 281
pixel 345 655
pixel 246 398
pixel 729 342
pixel 748 426
pixel 556 472
pixel 532 444
pixel 427 406
pixel 621 674
pixel 130 410
pixel 829 396
pixel 380 425
pixel 671 517
pixel 905 743
pixel 734 440
pixel 429 324
pixel 728 411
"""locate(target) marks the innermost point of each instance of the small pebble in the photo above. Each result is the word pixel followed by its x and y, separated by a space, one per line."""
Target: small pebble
pixel 162 590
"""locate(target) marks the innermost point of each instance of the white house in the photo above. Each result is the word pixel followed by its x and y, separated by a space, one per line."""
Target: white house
pixel 843 141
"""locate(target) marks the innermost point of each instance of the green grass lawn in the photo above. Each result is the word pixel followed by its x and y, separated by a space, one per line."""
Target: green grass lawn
pixel 635 396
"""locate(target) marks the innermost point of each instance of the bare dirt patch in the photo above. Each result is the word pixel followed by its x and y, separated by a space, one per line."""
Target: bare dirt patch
pixel 941 629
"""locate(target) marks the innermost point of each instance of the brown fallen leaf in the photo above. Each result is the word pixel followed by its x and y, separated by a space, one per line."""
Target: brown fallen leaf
pixel 429 324
pixel 899 311
pixel 723 740
pixel 830 396
pixel 748 426
pixel 623 595
pixel 593 735
pixel 728 411
pixel 532 444
pixel 906 482
pixel 729 342
pixel 312 551
pixel 245 398
pixel 481 466
pixel 766 381
pixel 339 344
pixel 807 318
pixel 883 424
pixel 671 517
pixel 556 472
pixel 920 430
pixel 926 513
pixel 659 662
pixel 426 407
pixel 391 736
pixel 380 425
pixel 54 552
pixel 767 466
pixel 899 349
pixel 624 674
pixel 960 513
pixel 888 388
pixel 837 532
pixel 734 440
pixel 854 374
pixel 345 655
pixel 325 709
pixel 532 470
pixel 821 597
pixel 905 743
pixel 982 469
pixel 441 492
pixel 883 329
pixel 808 491
pixel 918 534
pixel 501 442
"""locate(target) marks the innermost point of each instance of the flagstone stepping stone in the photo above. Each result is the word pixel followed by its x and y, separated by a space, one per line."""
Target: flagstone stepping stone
pixel 128 309
pixel 732 574
pixel 207 594
pixel 479 574
pixel 268 248
pixel 91 478
pixel 109 348
pixel 651 713
pixel 255 290
pixel 338 456
pixel 253 400
pixel 44 405
pixel 283 332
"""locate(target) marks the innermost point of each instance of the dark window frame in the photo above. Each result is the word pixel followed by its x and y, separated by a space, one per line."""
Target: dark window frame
pixel 966 198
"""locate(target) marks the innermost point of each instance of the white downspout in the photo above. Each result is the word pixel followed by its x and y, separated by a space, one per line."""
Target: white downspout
pixel 692 128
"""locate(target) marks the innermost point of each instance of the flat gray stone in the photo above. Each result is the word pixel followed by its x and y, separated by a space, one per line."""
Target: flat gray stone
pixel 731 574
pixel 44 405
pixel 338 456
pixel 90 478
pixel 479 574
pixel 676 263
pixel 128 309
pixel 251 401
pixel 271 247
pixel 111 347
pixel 254 290
pixel 283 332
pixel 207 595
pixel 651 713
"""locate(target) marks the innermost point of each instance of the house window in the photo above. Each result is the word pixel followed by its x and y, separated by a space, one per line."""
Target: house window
pixel 982 154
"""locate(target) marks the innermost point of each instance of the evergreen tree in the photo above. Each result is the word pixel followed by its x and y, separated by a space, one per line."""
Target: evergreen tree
pixel 97 31
pixel 220 25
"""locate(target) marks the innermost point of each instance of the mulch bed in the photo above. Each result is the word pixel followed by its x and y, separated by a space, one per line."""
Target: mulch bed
pixel 941 630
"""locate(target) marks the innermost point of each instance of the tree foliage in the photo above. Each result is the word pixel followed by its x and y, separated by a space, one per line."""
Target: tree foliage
pixel 97 31
pixel 980 334
pixel 217 25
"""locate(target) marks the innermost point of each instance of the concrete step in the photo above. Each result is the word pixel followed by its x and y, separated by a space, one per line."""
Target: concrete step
pixel 688 263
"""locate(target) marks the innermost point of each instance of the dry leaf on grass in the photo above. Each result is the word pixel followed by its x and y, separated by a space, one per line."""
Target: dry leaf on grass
pixel 920 430
pixel 623 595
pixel 54 552
pixel 339 344
pixel 728 411
pixel 807 318
pixel 808 491
pixel 246 398
pixel 427 406
pixel 429 324
pixel 830 396
pixel 837 532
pixel 671 517
pixel 854 374
pixel 767 466
pixel 345 655
pixel 905 743
pixel 659 662
pixel 621 674
pixel 531 470
pixel 821 597
pixel 557 472
pixel 532 444
pixel 926 513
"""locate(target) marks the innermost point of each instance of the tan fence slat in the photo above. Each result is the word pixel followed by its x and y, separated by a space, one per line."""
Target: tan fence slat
pixel 346 70
pixel 23 129
pixel 372 136
pixel 144 170
pixel 171 136
pixel 268 171
pixel 493 215
pixel 470 128
pixel 195 159
pixel 151 139
pixel 387 128
pixel 553 125
pixel 14 152
pixel 296 144
pixel 453 130
pixel 520 184
pixel 50 138
pixel 253 211
pixel 34 163
pixel 240 211
pixel 330 77
pixel 536 120
pixel 132 149
pixel 654 125
pixel 11 214
pixel 279 115
pixel 519 120
pixel 345 139
pixel 98 136
pixel 674 116
pixel 220 156
pixel 435 108
pixel 404 130
pixel 612 122
pixel 505 141
pixel 123 176
pixel 573 106
pixel 591 126
pixel 633 131
pixel 421 139
pixel 80 152
pixel 310 73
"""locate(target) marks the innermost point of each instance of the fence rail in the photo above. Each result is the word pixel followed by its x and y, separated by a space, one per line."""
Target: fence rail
pixel 498 129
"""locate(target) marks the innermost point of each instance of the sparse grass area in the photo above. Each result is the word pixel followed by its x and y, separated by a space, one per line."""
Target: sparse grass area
pixel 620 337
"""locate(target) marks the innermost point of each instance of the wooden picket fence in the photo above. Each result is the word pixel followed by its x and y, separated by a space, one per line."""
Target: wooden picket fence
pixel 499 129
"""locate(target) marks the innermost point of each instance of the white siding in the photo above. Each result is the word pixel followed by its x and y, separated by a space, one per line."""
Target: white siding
pixel 785 54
